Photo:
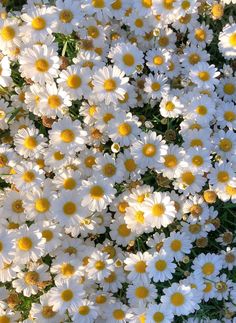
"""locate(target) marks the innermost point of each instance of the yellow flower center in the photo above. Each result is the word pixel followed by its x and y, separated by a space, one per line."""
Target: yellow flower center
pixel 138 23
pixel 160 265
pixel 42 65
pixel 124 129
pixel 69 208
pixel 31 278
pixel 128 59
pixel 147 3
pixel 170 161
pixel 7 33
pixel 232 40
pixel 67 295
pixel 155 86
pixel 149 150
pixel 141 292
pixel 130 165
pixel 123 231
pixel 188 178
pixel 42 205
pixel 229 88
pixel 30 143
pixel 67 135
pixel 58 155
pixel 96 192
pixel 118 314
pixel 109 170
pixel 67 270
pixel 229 116
pixel 158 210
pixel 99 265
pixel 3 160
pixel 66 16
pixel 47 312
pixel 99 4
pixel 176 245
pixel 84 310
pixel 140 267
pixel 223 176
pixel 197 160
pixel 139 217
pixel 225 145
pixel 177 299
pixel 168 4
pixel 217 10
pixel 111 278
pixel 194 58
pixel 101 299
pixel 200 34
pixel 230 190
pixel 4 319
pixel 89 161
pixel 164 41
pixel 116 5
pixel 158 60
pixel 196 142
pixel 194 228
pixel 107 117
pixel 74 81
pixel 201 110
pixel 47 234
pixel 204 76
pixel 208 287
pixel 24 244
pixel 54 101
pixel 69 184
pixel 28 177
pixel 158 317
pixel 109 85
pixel 93 31
pixel 208 268
pixel 122 206
pixel 17 206
pixel 196 210
pixel 38 23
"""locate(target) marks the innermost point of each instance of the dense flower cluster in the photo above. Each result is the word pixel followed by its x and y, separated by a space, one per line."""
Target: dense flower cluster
pixel 118 161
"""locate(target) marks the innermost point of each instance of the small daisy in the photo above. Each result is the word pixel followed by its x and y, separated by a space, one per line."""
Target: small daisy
pixel 136 265
pixel 100 266
pixel 156 86
pixel 204 75
pixel 27 175
pixel 207 265
pixel 161 267
pixel 159 313
pixel 227 41
pixel 85 312
pixel 141 294
pixel 177 245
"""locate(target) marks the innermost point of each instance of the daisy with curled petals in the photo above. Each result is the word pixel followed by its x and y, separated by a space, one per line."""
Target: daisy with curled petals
pixel 180 299
pixel 27 175
pixel 204 75
pixel 97 193
pixel 109 84
pixel 161 267
pixel 67 136
pixel 43 312
pixel 159 210
pixel 126 57
pixel 39 63
pixel 29 143
pixel 136 266
pixel 29 245
pixel 75 81
pixel 54 102
pixel 227 41
pixel 65 295
pixel 149 150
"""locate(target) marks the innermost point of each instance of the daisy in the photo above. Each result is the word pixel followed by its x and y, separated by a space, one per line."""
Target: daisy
pixel 193 55
pixel 75 81
pixel 109 84
pixel 117 312
pixel 141 294
pixel 224 143
pixel 227 41
pixel 126 57
pixel 149 150
pixel 40 64
pixel 177 245
pixel 65 267
pixel 114 281
pixel 136 220
pixel 136 265
pixel 9 34
pixel 29 245
pixel 99 266
pixel 227 89
pixel 159 210
pixel 157 60
pixel 107 166
pixel 204 75
pixel 180 299
pixel 160 267
pixel 65 295
pixel 170 106
pixel 207 265
pixel 97 193
pixel 101 9
pixel 229 257
pixel 159 313
pixel 156 86
pixel 67 136
pixel 27 175
pixel 201 35
pixel 172 160
pixel 189 182
pixel 51 233
pixel 138 22
pixel 85 312
pixel 199 159
pixel 221 175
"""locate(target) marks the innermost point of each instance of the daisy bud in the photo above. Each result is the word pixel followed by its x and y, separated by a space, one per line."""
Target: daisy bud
pixel 170 135
pixel 185 260
pixel 209 196
pixel 217 11
pixel 118 263
pixel 148 124
pixel 202 242
pixel 186 273
pixel 156 32
pixel 13 300
pixel 228 314
pixel 227 237
pixel 115 147
pixel 216 223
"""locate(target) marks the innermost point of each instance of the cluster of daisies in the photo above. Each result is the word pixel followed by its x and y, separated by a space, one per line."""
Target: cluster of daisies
pixel 118 161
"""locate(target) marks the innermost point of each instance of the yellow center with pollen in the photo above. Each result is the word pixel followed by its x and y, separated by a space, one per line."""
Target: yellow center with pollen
pixel 130 165
pixel 147 3
pixel 155 86
pixel 47 234
pixel 223 176
pixel 188 178
pixel 176 245
pixel 69 208
pixel 17 206
pixel 208 268
pixel 170 161
pixel 109 85
pixel 204 76
pixel 4 319
pixel 158 60
pixel 149 150
pixel 42 205
pixel 89 161
pixel 31 278
pixel 123 231
pixel 225 145
pixel 158 317
pixel 24 244
pixel 169 106
pixel 138 23
pixel 141 292
pixel 158 210
pixel 116 5
pixel 30 143
pixel 230 190
pixel 139 217
pixel 84 310
pixel 232 40
pixel 128 59
pixel 54 101
pixel 38 23
pixel 99 265
pixel 124 129
pixel 229 116
pixel 99 4
pixel 67 135
pixel 7 33
pixel 28 176
pixel 160 265
pixel 109 170
pixel 74 81
pixel 66 16
pixel 42 65
pixel 58 155
pixel 96 192
pixel 67 295
pixel 194 58
pixel 201 110
pixel 118 314
pixel 47 312
pixel 140 267
pixel 67 270
pixel 197 160
pixel 229 88
pixel 200 34
pixel 177 299
pixel 69 184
